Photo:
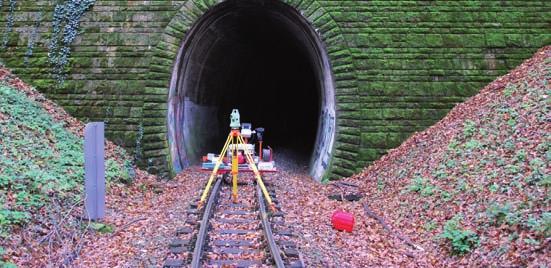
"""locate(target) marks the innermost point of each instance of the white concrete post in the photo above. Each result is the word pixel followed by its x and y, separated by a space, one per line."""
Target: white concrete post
pixel 94 169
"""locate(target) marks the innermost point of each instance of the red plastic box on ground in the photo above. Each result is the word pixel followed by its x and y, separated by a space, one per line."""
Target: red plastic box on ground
pixel 342 221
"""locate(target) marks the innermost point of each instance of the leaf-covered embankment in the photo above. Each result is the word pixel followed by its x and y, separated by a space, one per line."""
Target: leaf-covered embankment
pixel 41 173
pixel 475 188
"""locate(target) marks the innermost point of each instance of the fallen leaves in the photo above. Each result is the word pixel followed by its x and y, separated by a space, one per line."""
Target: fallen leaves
pixel 484 151
pixel 308 212
pixel 55 233
pixel 460 170
pixel 144 221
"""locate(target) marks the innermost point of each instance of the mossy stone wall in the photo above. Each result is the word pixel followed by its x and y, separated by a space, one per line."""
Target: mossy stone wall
pixel 399 66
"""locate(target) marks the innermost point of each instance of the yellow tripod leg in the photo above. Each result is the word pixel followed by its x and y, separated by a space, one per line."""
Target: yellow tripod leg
pixel 214 171
pixel 258 177
pixel 234 169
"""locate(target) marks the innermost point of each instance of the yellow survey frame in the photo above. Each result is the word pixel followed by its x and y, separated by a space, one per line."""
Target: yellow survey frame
pixel 257 174
pixel 235 171
pixel 215 171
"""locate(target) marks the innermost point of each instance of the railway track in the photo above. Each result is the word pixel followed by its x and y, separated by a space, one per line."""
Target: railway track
pixel 227 234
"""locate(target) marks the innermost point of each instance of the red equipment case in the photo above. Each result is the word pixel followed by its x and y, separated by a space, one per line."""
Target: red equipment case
pixel 343 221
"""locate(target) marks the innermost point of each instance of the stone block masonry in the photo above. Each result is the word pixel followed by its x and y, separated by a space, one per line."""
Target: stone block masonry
pixel 398 66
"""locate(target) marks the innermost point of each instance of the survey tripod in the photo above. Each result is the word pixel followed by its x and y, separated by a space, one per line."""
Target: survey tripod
pixel 233 142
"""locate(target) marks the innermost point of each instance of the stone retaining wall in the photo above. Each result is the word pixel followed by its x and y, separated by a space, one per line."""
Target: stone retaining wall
pixel 399 66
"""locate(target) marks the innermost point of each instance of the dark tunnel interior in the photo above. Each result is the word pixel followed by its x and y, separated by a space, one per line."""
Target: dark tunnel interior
pixel 256 58
pixel 260 69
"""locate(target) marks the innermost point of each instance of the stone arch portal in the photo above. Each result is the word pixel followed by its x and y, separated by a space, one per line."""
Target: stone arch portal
pixel 267 58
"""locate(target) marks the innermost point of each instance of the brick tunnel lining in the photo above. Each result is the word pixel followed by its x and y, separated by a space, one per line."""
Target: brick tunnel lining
pixel 264 59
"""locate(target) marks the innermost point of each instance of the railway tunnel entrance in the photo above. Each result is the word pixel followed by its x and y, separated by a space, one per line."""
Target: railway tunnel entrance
pixel 265 59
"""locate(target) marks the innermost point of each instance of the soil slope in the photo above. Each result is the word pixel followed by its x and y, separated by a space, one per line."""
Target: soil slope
pixel 474 188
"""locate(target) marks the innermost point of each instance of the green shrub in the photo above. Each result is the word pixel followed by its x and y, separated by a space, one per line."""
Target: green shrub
pixel 469 128
pixel 9 218
pixel 7 265
pixel 115 171
pixel 451 163
pixel 509 89
pixel 521 155
pixel 380 184
pixel 502 213
pixel 440 173
pixel 472 144
pixel 461 241
pixel 461 185
pixel 430 225
pixel 493 187
pixel 102 228
pixel 422 186
pixel 446 196
pixel 541 226
pixel 538 176
pixel 39 159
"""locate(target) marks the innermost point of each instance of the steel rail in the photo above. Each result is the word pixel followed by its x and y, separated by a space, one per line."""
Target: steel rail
pixel 274 249
pixel 203 230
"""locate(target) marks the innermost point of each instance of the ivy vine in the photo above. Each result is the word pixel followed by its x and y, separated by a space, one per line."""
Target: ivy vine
pixel 32 39
pixel 138 152
pixel 9 24
pixel 65 27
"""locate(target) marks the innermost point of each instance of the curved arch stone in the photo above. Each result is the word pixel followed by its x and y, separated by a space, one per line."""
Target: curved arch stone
pixel 347 140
